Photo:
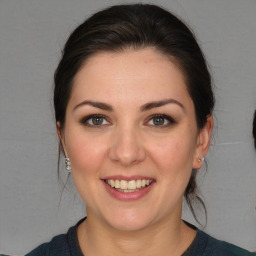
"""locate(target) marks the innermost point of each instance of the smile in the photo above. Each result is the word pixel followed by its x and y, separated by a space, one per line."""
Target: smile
pixel 128 186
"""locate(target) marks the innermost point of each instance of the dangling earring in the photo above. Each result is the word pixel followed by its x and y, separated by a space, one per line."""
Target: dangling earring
pixel 67 163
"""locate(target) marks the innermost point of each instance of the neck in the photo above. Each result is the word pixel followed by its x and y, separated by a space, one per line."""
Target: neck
pixel 170 237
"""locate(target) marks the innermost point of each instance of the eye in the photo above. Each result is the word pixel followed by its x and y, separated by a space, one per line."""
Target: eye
pixel 95 120
pixel 161 121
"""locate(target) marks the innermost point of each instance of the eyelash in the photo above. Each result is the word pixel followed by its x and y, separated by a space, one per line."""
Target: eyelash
pixel 85 120
pixel 169 119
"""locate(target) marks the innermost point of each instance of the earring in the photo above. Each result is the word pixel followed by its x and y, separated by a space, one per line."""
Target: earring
pixel 67 163
pixel 200 160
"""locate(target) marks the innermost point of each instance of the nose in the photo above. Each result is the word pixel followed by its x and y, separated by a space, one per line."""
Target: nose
pixel 127 147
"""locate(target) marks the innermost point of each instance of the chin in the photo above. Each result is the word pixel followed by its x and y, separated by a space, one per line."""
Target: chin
pixel 129 221
pixel 129 226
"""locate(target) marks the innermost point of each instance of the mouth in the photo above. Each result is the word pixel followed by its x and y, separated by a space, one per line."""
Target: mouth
pixel 130 186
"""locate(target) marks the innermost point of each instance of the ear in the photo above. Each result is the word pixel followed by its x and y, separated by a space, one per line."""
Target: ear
pixel 61 137
pixel 203 143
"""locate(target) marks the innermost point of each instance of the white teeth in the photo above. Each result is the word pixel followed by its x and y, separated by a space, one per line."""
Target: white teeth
pixel 132 184
pixel 127 190
pixel 112 183
pixel 128 186
pixel 117 184
pixel 138 183
pixel 123 184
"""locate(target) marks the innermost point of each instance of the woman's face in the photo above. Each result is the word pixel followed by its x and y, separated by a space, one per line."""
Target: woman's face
pixel 132 138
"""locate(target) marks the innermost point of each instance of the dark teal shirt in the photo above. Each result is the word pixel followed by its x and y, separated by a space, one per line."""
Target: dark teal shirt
pixel 203 245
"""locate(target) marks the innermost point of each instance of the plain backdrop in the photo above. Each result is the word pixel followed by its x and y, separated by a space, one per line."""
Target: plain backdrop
pixel 32 34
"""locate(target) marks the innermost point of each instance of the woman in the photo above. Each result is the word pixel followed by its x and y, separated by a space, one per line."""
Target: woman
pixel 133 106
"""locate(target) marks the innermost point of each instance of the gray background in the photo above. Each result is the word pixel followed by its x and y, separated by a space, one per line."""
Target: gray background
pixel 32 33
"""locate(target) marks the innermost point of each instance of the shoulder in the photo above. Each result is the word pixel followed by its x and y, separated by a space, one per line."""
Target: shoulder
pixel 57 246
pixel 222 248
pixel 61 245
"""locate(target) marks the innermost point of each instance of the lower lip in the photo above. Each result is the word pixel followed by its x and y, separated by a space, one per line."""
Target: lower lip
pixel 128 196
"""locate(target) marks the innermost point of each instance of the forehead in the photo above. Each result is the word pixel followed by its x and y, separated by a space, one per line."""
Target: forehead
pixel 137 62
pixel 135 73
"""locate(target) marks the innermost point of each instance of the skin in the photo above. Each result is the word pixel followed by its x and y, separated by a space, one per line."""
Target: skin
pixel 129 143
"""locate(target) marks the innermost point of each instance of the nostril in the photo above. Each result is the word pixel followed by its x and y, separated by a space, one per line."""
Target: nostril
pixel 127 148
pixel 127 157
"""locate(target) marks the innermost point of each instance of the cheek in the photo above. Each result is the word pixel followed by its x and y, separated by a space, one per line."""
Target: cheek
pixel 86 153
pixel 174 161
pixel 173 153
pixel 87 157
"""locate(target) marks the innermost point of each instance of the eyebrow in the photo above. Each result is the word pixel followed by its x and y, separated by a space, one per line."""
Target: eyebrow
pixel 157 104
pixel 145 107
pixel 95 104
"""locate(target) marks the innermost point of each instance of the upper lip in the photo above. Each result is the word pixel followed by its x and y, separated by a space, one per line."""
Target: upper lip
pixel 127 178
